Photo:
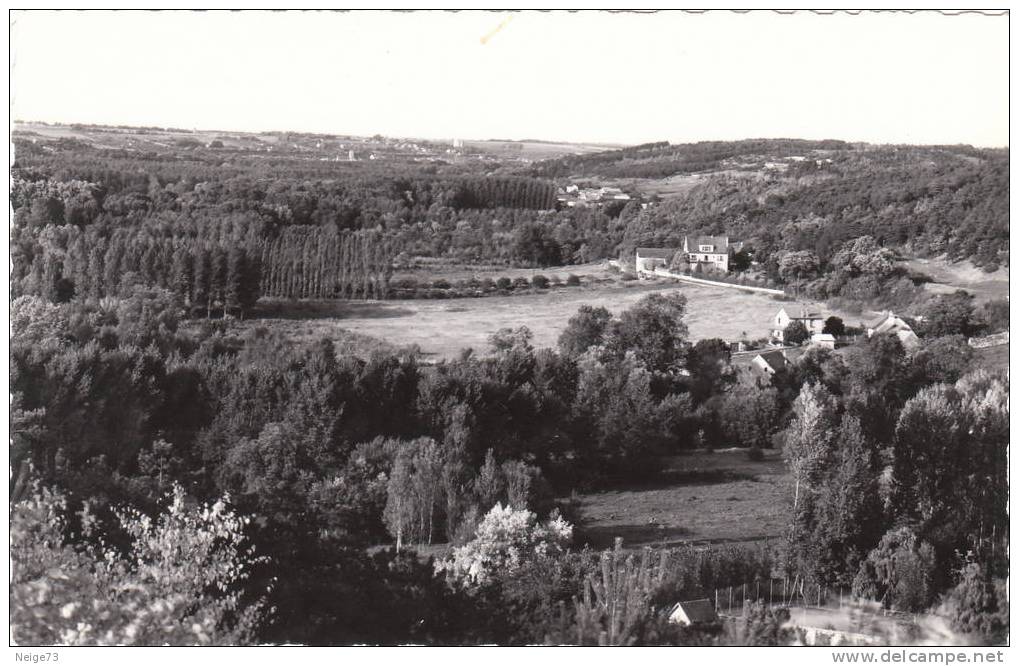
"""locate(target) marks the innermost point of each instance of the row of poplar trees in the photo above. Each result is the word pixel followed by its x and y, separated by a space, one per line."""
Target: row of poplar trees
pixel 509 193
pixel 62 263
pixel 311 262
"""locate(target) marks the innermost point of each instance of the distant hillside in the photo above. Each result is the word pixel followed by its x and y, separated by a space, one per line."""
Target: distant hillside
pixel 793 195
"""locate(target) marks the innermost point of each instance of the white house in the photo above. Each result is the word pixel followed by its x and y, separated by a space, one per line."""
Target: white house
pixel 650 258
pixel 711 251
pixel 812 321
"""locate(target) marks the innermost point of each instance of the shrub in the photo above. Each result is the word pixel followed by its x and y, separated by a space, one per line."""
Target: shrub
pixel 504 540
pixel 573 280
pixel 504 283
pixel 441 284
pixel 540 281
pixel 521 283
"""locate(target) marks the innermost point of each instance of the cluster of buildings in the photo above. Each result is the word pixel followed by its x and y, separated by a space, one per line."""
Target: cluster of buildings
pixel 574 196
pixel 775 360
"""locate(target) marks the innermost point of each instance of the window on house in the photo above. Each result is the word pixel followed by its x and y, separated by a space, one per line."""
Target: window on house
pixel 706 248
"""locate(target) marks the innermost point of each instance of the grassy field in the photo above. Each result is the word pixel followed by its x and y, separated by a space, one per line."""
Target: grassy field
pixel 442 328
pixel 948 277
pixel 536 150
pixel 703 498
pixel 991 358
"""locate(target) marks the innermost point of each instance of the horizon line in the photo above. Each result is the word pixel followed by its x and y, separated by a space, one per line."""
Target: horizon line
pixel 613 145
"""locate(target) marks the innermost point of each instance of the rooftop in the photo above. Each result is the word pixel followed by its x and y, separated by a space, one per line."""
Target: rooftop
pixel 656 252
pixel 696 611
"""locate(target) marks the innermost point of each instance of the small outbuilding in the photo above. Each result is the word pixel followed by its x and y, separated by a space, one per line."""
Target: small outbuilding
pixel 693 613
pixel 650 258
pixel 826 340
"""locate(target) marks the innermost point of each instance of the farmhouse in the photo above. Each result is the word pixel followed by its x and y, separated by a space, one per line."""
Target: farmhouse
pixel 650 258
pixel 890 323
pixel 813 322
pixel 710 251
pixel 699 612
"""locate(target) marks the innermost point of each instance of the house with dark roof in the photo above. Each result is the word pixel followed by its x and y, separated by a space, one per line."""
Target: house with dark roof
pixel 770 362
pixel 709 251
pixel 693 613
pixel 650 258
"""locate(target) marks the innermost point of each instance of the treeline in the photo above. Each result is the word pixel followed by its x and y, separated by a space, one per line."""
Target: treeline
pixel 61 263
pixel 661 159
pixel 922 200
pixel 419 210
pixel 64 263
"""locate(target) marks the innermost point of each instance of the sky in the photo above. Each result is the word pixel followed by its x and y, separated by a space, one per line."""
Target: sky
pixel 581 77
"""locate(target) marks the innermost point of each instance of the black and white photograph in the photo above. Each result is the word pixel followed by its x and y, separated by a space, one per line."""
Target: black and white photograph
pixel 511 328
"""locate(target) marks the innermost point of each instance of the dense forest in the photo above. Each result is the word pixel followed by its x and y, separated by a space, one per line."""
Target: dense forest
pixel 177 479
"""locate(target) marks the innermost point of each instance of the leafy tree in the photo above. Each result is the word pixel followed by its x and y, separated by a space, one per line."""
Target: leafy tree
pixel 653 330
pixel 801 265
pixel 507 340
pixel 795 333
pixel 948 314
pixel 849 512
pixel 899 572
pixel 708 364
pixel 749 416
pixel 834 326
pixel 505 539
pixel 761 626
pixel 992 316
pixel 180 582
pixel 978 605
pixel 809 440
pixel 584 330
pixel 949 469
pixel 740 261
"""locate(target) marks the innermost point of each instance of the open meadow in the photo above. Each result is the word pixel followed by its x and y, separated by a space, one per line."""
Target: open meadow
pixel 702 498
pixel 948 276
pixel 442 328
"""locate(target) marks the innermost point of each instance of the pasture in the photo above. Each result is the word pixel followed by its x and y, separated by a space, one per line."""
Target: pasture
pixel 700 498
pixel 949 276
pixel 442 328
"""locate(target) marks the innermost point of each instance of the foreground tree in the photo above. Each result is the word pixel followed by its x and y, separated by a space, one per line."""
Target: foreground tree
pixel 178 584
